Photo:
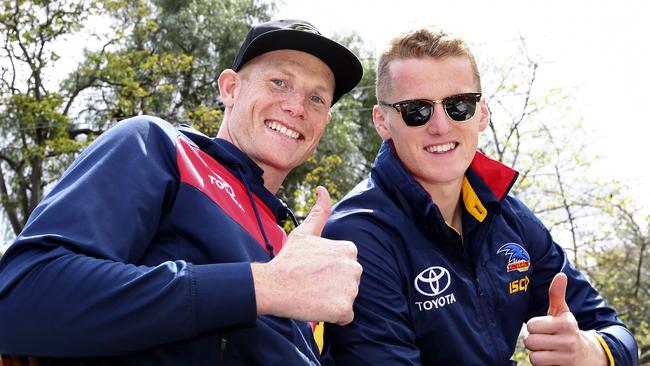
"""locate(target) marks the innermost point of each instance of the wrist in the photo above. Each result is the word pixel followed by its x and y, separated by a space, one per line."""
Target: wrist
pixel 595 350
pixel 262 281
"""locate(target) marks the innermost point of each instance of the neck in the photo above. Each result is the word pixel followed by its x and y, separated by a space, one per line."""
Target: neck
pixel 448 199
pixel 272 178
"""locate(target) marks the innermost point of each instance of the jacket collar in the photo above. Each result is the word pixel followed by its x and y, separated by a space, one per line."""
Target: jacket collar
pixel 486 183
pixel 240 165
pixel 493 175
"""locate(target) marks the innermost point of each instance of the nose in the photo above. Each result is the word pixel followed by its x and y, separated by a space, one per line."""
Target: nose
pixel 439 123
pixel 294 104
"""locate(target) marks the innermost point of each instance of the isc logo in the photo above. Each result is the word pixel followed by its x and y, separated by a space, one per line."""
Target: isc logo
pixel 519 285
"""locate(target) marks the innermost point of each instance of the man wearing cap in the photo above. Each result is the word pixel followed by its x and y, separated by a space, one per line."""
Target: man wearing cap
pixel 161 246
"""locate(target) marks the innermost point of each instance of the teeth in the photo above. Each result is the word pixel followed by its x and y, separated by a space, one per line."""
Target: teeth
pixel 441 148
pixel 283 130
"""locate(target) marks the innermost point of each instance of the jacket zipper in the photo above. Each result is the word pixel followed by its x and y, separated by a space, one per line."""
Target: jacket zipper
pixel 477 286
pixel 222 346
pixel 481 299
pixel 482 306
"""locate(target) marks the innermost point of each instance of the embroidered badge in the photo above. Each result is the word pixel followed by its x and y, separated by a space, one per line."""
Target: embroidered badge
pixel 518 258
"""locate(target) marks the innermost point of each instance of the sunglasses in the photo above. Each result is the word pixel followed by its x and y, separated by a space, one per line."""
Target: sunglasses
pixel 416 112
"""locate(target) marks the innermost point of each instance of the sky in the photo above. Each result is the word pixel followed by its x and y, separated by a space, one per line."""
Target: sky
pixel 600 50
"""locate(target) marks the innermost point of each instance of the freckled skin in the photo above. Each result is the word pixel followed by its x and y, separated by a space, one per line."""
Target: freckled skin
pixel 292 88
pixel 429 78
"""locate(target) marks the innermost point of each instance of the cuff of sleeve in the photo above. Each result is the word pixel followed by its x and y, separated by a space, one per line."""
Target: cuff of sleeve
pixel 225 295
pixel 605 346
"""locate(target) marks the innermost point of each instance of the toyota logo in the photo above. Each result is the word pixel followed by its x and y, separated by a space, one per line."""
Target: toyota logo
pixel 432 281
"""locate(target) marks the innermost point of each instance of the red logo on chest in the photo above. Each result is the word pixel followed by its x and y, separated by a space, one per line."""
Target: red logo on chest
pixel 201 171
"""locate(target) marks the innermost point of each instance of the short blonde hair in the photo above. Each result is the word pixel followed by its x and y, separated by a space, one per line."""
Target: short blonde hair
pixel 417 44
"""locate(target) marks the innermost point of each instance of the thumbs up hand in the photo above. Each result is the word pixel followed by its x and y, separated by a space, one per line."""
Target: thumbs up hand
pixel 312 278
pixel 555 339
pixel 557 296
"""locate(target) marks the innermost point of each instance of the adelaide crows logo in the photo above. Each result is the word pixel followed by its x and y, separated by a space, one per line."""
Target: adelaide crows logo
pixel 518 258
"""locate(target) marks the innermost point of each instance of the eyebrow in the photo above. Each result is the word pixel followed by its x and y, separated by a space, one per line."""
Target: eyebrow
pixel 284 67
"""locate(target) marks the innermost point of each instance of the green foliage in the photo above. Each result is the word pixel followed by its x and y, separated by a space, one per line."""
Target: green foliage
pixel 621 271
pixel 535 132
pixel 521 353
pixel 161 57
pixel 38 139
pixel 168 59
pixel 532 131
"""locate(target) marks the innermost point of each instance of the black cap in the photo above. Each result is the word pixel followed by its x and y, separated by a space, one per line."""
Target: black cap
pixel 291 34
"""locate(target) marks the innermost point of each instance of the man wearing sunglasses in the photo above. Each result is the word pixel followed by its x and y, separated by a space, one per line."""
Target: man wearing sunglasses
pixel 453 265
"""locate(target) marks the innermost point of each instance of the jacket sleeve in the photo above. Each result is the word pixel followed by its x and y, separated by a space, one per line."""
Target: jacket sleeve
pixel 380 333
pixel 70 285
pixel 587 305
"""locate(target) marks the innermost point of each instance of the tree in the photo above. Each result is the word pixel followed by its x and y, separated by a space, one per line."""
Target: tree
pixel 38 137
pixel 622 271
pixel 161 57
pixel 169 61
pixel 537 132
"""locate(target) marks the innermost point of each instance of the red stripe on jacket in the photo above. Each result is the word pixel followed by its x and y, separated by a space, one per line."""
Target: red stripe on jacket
pixel 201 171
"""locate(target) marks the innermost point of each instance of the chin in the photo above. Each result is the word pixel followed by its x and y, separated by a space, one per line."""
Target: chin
pixel 283 164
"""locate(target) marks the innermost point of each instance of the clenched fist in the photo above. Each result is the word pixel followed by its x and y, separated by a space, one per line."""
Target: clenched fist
pixel 312 278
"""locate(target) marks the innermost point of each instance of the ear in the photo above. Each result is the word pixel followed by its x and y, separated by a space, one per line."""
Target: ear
pixel 380 122
pixel 485 115
pixel 228 85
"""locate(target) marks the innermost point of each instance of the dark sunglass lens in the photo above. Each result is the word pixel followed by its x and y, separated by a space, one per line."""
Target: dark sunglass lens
pixel 460 107
pixel 416 112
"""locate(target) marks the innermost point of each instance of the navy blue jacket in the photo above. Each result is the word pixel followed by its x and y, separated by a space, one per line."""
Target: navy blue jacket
pixel 429 297
pixel 140 255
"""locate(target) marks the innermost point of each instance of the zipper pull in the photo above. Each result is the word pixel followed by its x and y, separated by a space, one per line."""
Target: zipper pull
pixel 222 347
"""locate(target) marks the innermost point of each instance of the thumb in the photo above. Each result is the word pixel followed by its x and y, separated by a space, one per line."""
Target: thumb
pixel 320 212
pixel 557 295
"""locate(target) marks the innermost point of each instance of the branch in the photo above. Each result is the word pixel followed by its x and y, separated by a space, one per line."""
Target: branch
pixel 75 93
pixel 91 80
pixel 12 85
pixel 12 163
pixel 35 178
pixel 637 237
pixel 495 136
pixel 645 355
pixel 516 124
pixel 8 205
pixel 83 131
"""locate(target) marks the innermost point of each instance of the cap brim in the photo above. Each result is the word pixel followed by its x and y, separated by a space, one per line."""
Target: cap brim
pixel 344 64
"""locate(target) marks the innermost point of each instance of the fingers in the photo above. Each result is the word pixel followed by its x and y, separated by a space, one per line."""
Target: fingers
pixel 557 295
pixel 554 339
pixel 346 317
pixel 348 311
pixel 320 276
pixel 543 358
pixel 552 349
pixel 320 212
pixel 565 323
pixel 549 342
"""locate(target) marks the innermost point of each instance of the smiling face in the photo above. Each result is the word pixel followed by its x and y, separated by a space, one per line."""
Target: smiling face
pixel 277 108
pixel 438 153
